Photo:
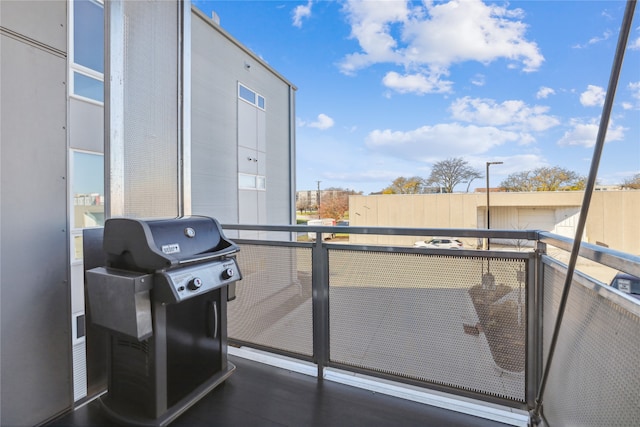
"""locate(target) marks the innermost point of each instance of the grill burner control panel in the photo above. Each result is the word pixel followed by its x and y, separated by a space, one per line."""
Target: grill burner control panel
pixel 177 285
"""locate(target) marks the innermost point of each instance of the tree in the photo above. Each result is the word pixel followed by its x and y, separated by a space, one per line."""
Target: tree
pixel 335 202
pixel 632 183
pixel 402 185
pixel 451 172
pixel 544 179
pixel 303 205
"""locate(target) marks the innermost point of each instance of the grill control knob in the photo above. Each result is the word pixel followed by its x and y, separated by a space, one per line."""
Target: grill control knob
pixel 194 284
pixel 228 273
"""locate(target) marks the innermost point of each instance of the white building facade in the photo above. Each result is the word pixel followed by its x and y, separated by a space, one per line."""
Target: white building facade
pixel 184 120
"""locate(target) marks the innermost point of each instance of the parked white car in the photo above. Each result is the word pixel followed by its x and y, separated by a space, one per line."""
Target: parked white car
pixel 440 243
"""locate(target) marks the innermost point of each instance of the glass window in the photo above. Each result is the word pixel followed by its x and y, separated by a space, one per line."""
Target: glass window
pixel 246 181
pixel 88 190
pixel 88 34
pixel 88 87
pixel 251 96
pixel 247 94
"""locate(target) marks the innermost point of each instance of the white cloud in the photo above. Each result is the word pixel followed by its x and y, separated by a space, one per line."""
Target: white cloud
pixel 426 40
pixel 440 141
pixel 634 88
pixel 635 44
pixel 592 97
pixel 511 164
pixel 300 12
pixel 512 114
pixel 544 92
pixel 595 40
pixel 585 133
pixel 323 122
pixel 478 80
pixel 416 83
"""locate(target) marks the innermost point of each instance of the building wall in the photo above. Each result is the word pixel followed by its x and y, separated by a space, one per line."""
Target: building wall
pixel 34 255
pixel 612 219
pixel 222 124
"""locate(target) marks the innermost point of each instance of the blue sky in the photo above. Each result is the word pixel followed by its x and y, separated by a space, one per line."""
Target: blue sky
pixel 388 88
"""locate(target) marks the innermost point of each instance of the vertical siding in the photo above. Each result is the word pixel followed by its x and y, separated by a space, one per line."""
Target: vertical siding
pixel 218 64
pixel 35 334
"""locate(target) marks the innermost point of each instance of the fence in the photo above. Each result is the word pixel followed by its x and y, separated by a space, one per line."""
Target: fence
pixel 475 323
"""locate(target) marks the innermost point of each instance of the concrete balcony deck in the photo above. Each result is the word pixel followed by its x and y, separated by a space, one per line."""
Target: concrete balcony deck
pixel 262 395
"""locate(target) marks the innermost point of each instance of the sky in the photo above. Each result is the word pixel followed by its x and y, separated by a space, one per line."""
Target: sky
pixel 388 88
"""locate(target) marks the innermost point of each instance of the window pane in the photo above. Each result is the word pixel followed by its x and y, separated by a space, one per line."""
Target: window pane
pixel 88 190
pixel 247 94
pixel 260 102
pixel 77 247
pixel 246 181
pixel 261 182
pixel 88 87
pixel 88 34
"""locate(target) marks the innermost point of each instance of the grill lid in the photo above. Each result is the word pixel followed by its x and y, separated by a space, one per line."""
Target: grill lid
pixel 151 245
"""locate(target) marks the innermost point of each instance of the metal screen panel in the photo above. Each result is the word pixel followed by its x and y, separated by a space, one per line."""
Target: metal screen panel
pixel 593 379
pixel 552 293
pixel 273 304
pixel 430 318
pixel 151 109
pixel 144 108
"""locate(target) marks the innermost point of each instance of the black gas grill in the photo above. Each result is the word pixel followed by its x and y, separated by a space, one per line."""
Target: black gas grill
pixel 162 297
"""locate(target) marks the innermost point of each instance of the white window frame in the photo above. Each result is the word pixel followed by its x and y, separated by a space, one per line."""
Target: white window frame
pixel 74 231
pixel 77 68
pixel 258 97
pixel 256 180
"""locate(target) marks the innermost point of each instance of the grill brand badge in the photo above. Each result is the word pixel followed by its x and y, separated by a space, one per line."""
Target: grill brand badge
pixel 189 232
pixel 173 248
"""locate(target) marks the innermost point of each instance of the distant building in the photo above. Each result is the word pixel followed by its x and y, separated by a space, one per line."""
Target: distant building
pixel 308 199
pixel 612 219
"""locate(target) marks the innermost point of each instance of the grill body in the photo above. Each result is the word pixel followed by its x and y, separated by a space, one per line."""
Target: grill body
pixel 162 296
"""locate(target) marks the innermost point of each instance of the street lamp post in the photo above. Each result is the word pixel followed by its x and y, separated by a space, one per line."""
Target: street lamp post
pixel 318 198
pixel 488 220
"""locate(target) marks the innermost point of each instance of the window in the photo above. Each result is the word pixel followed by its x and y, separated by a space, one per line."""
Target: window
pixel 251 182
pixel 87 187
pixel 88 87
pixel 87 52
pixel 250 96
pixel 88 34
pixel 247 94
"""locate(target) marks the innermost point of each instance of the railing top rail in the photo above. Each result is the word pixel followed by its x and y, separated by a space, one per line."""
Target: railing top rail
pixel 393 231
pixel 610 257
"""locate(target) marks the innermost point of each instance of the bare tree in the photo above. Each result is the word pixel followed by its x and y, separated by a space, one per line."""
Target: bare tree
pixel 632 183
pixel 451 172
pixel 544 179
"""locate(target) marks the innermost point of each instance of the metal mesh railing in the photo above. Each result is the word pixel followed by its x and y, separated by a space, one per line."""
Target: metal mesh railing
pixel 593 379
pixel 473 323
pixel 273 304
pixel 430 318
pixel 453 321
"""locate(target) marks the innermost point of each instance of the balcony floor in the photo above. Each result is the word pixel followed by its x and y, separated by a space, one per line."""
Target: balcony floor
pixel 262 395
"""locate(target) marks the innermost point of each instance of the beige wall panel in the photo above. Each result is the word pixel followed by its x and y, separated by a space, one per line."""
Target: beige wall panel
pixel 612 220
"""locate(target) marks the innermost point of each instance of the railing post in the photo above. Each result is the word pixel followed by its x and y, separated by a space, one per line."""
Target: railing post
pixel 320 301
pixel 536 319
